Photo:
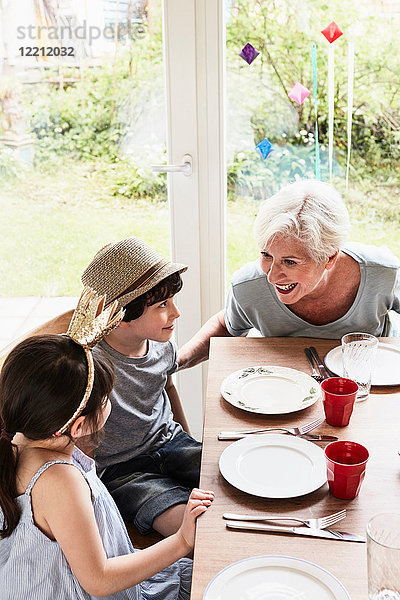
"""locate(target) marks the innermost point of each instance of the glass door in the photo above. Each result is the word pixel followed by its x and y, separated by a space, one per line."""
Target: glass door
pixel 83 110
pixel 269 50
pixel 92 95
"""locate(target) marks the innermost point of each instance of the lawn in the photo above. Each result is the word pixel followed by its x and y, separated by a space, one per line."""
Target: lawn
pixel 57 219
pixel 56 222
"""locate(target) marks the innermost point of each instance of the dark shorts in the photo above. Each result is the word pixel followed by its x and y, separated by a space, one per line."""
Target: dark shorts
pixel 146 486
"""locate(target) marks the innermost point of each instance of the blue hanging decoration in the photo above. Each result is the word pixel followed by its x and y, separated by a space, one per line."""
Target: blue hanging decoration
pixel 264 148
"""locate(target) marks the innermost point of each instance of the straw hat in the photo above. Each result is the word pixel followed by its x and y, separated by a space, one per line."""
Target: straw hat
pixel 124 270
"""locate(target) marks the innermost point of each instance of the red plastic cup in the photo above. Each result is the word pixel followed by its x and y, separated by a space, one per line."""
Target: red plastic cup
pixel 346 463
pixel 338 397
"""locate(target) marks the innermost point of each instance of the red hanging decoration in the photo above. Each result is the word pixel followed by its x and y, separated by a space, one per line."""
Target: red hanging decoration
pixel 332 32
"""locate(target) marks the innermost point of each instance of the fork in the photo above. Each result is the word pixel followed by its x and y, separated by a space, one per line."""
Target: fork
pixel 292 430
pixel 314 374
pixel 320 523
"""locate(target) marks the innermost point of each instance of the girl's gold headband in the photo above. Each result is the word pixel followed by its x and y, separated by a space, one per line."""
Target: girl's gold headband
pixel 89 324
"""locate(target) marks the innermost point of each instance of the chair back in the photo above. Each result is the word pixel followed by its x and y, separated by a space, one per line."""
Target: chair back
pixel 57 325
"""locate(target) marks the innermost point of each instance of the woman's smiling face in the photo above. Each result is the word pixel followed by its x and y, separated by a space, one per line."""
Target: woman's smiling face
pixel 291 270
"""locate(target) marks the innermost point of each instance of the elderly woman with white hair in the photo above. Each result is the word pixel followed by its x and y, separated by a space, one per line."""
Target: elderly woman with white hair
pixel 308 281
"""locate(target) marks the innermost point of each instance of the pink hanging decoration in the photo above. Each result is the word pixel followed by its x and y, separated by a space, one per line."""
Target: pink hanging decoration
pixel 299 93
pixel 332 32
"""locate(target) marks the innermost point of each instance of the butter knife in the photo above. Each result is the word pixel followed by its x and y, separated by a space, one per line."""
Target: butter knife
pixel 233 435
pixel 320 364
pixel 328 534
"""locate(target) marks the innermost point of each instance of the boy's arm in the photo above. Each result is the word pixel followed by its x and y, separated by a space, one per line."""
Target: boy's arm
pixel 176 405
pixel 197 349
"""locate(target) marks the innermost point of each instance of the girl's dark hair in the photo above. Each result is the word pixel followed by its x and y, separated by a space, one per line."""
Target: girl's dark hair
pixel 166 288
pixel 42 382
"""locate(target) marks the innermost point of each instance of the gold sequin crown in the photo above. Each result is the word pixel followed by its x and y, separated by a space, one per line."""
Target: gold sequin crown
pixel 90 321
pixel 89 324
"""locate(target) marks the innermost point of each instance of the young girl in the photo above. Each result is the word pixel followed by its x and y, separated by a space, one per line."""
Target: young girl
pixel 61 535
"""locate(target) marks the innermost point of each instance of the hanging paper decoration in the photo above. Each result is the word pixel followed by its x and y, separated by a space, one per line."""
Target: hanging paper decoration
pixel 299 93
pixel 264 148
pixel 331 104
pixel 332 33
pixel 314 71
pixel 248 53
pixel 350 86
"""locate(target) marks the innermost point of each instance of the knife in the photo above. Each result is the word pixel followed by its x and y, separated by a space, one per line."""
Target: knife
pixel 321 367
pixel 328 534
pixel 233 435
pixel 313 437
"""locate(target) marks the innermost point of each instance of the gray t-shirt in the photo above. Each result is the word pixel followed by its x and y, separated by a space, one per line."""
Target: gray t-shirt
pixel 141 417
pixel 252 301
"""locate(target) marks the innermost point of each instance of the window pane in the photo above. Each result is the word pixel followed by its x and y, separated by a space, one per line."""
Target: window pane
pixel 82 119
pixel 258 107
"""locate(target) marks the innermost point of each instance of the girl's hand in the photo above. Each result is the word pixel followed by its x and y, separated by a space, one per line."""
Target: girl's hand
pixel 199 501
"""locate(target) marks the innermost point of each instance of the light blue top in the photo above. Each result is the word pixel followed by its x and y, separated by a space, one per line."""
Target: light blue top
pixel 252 300
pixel 33 567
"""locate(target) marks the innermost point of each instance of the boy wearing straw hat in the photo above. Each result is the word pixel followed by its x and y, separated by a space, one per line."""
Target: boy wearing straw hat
pixel 146 459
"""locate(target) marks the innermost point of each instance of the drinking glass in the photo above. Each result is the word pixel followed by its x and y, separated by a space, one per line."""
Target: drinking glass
pixel 358 352
pixel 383 551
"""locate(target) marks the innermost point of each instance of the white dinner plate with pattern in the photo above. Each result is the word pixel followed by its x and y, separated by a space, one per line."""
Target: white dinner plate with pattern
pixel 270 390
pixel 273 465
pixel 275 578
pixel 385 368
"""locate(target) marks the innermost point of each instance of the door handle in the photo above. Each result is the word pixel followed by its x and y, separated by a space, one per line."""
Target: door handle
pixel 185 168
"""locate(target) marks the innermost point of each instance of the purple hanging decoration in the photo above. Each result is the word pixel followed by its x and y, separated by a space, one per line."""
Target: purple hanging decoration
pixel 248 53
pixel 264 148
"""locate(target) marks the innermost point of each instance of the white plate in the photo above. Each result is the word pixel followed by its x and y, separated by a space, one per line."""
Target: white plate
pixel 273 465
pixel 275 578
pixel 385 369
pixel 270 390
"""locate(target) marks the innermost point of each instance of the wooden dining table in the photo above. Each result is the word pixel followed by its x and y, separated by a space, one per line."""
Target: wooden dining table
pixel 375 423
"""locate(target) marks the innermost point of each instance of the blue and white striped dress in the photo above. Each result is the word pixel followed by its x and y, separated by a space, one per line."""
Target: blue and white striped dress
pixel 33 567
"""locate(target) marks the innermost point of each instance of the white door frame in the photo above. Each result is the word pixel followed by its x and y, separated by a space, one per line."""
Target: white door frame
pixel 194 59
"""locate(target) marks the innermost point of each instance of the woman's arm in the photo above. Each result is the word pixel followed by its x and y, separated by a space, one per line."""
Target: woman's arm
pixel 197 349
pixel 62 495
